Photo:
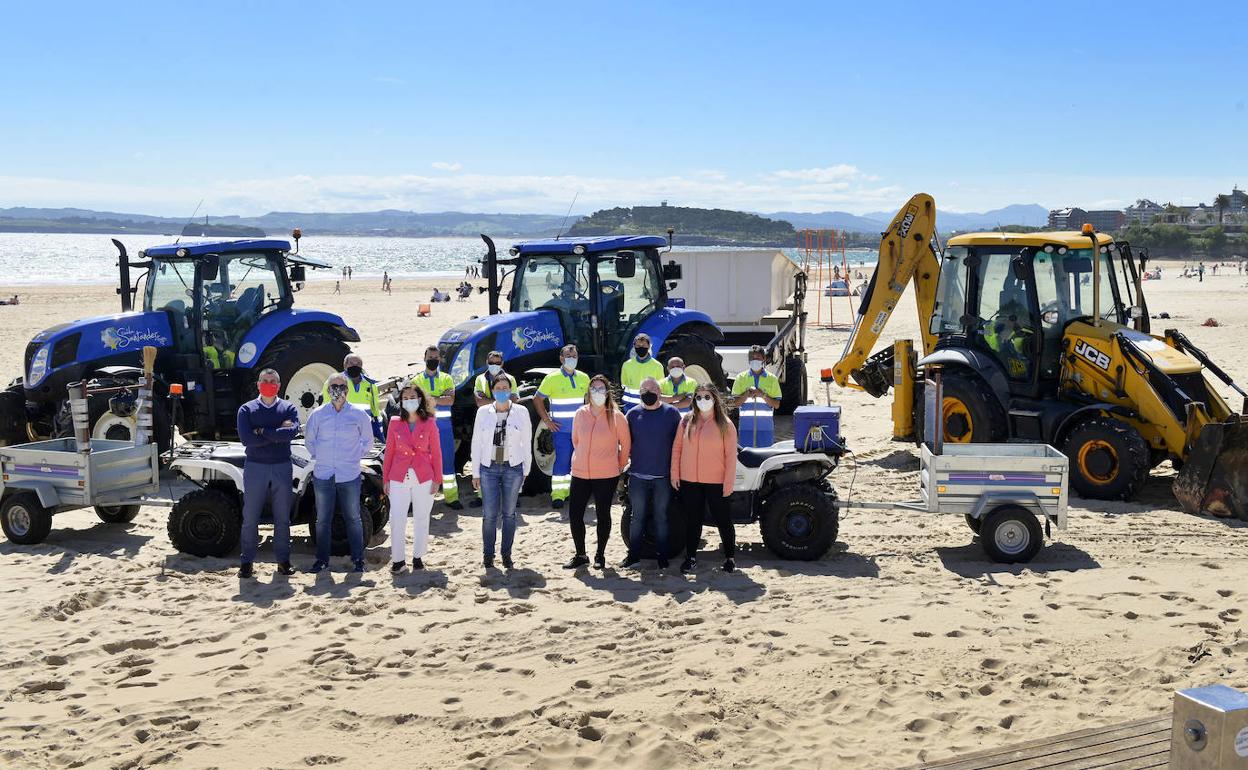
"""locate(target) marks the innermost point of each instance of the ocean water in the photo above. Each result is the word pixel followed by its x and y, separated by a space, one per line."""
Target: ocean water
pixel 44 258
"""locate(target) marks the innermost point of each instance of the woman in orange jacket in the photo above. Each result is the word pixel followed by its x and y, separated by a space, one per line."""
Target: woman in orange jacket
pixel 600 447
pixel 704 465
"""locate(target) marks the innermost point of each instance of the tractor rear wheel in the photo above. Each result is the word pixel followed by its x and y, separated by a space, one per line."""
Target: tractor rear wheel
pixel 702 363
pixel 206 522
pixel 304 360
pixel 799 522
pixel 1109 459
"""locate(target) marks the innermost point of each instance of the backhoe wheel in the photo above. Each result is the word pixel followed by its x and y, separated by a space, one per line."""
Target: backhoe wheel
pixel 702 363
pixel 1011 535
pixel 799 522
pixel 206 522
pixel 117 514
pixel 24 519
pixel 969 411
pixel 1108 459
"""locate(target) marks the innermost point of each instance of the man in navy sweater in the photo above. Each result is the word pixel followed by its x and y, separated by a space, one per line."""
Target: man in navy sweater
pixel 266 426
pixel 653 425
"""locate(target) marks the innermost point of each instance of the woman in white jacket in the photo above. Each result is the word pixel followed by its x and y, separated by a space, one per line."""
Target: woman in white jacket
pixel 502 454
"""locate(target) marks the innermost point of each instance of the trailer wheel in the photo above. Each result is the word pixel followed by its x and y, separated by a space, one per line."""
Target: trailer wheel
pixel 117 514
pixel 793 389
pixel 799 522
pixel 975 524
pixel 1011 534
pixel 206 522
pixel 338 543
pixel 648 548
pixel 24 519
pixel 538 481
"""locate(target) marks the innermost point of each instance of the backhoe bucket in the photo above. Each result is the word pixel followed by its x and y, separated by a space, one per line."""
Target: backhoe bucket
pixel 1214 478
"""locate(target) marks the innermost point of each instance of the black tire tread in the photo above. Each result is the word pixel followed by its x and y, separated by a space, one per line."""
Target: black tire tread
pixel 41 518
pixel 121 514
pixel 1125 437
pixel 698 351
pixel 217 500
pixel 994 519
pixel 770 523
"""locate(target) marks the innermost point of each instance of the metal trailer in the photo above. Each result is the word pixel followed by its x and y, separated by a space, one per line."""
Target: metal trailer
pixel 1004 491
pixel 43 478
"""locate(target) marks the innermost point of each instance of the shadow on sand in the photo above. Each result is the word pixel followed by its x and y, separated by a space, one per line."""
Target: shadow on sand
pixel 971 561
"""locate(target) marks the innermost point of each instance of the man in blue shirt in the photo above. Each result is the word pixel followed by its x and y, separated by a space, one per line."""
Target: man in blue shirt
pixel 652 425
pixel 338 436
pixel 266 426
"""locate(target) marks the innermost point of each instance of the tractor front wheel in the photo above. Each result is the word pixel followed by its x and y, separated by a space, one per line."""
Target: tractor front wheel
pixel 1109 459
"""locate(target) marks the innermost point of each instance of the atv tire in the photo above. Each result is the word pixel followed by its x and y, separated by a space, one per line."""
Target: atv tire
pixel 206 522
pixel 793 389
pixel 648 548
pixel 1011 535
pixel 338 543
pixel 294 351
pixel 24 519
pixel 702 362
pixel 799 522
pixel 1109 459
pixel 117 514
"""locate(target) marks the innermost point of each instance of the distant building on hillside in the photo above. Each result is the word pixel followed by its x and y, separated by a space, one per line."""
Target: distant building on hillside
pixel 1239 199
pixel 1071 218
pixel 1106 220
pixel 1143 212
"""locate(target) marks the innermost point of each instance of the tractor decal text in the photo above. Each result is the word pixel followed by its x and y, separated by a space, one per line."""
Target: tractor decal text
pixel 123 338
pixel 1092 355
pixel 526 337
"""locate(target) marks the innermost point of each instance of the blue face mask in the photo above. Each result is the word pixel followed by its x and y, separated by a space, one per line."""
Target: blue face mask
pixel 502 396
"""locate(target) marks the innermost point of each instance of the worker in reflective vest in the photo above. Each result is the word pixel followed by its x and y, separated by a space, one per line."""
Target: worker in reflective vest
pixel 361 392
pixel 565 392
pixel 483 391
pixel 215 353
pixel 441 388
pixel 677 387
pixel 756 392
pixel 638 367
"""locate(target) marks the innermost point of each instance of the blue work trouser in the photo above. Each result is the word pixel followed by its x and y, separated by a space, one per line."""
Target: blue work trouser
pixel 266 483
pixel 561 474
pixel 648 499
pixel 446 439
pixel 500 490
pixel 345 497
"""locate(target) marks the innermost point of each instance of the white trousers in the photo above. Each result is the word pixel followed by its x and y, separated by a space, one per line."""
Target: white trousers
pixel 416 496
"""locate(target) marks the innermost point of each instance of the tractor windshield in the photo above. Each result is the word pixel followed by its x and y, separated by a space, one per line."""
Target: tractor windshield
pixel 556 281
pixel 170 286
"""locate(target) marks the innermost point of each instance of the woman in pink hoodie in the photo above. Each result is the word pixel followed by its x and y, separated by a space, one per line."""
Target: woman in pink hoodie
pixel 600 446
pixel 704 465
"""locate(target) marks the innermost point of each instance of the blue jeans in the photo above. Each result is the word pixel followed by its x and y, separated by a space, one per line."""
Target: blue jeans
pixel 345 496
pixel 500 489
pixel 266 483
pixel 648 498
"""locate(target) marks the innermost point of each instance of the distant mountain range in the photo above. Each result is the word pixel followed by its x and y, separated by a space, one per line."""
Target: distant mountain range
pixel 1029 214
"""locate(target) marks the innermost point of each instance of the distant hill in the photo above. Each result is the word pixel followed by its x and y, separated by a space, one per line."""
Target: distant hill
pixel 694 226
pixel 833 220
pixel 217 230
pixel 1028 214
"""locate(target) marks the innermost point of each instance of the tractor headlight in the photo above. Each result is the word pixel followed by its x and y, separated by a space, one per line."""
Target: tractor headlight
pixel 38 367
pixel 460 369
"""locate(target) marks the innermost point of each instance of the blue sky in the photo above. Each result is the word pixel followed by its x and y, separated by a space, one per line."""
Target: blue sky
pixel 489 106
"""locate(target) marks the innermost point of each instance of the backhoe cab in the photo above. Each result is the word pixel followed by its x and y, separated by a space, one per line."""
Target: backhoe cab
pixel 1045 337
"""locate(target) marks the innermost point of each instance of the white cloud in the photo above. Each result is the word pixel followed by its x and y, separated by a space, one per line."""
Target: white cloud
pixel 442 165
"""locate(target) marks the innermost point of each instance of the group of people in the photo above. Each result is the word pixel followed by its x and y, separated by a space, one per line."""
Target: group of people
pixel 671 439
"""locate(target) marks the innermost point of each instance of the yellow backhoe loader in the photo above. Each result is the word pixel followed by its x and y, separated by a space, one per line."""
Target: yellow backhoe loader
pixel 1045 337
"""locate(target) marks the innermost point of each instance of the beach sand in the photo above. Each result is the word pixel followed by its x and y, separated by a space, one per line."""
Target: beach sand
pixel 903 644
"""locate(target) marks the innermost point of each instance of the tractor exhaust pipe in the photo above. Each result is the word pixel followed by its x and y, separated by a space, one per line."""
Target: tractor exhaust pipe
pixel 123 264
pixel 491 272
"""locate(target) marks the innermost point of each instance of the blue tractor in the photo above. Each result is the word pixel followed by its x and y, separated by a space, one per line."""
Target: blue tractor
pixel 218 313
pixel 598 293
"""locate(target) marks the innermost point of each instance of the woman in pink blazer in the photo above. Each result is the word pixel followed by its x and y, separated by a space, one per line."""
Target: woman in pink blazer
pixel 412 474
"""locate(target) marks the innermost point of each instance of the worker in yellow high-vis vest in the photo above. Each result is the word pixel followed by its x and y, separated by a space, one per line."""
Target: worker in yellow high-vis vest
pixel 361 391
pixel 638 367
pixel 565 390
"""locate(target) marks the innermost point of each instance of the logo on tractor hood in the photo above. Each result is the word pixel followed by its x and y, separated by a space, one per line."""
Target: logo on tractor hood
pixel 125 338
pixel 525 337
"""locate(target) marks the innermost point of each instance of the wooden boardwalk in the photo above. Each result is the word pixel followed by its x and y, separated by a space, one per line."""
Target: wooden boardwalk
pixel 1144 743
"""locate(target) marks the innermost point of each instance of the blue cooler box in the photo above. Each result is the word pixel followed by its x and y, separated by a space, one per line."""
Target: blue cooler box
pixel 817 429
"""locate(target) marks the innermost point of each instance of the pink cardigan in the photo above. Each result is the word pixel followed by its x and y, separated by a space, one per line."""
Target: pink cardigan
pixel 707 457
pixel 600 446
pixel 418 450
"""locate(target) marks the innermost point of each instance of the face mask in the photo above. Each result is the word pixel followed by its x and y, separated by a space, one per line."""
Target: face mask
pixel 705 404
pixel 569 364
pixel 410 405
pixel 494 369
pixel 354 372
pixel 649 398
pixel 431 364
pixel 756 366
pixel 598 397
pixel 337 392
pixel 676 372
pixel 502 396
pixel 642 353
pixel 269 389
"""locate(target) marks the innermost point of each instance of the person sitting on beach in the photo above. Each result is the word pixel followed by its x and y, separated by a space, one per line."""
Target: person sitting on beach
pixel 12 301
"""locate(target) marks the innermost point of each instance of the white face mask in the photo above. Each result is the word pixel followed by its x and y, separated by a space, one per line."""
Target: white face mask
pixel 598 398
pixel 569 364
pixel 705 404
pixel 411 405
pixel 756 366
pixel 494 369
pixel 676 372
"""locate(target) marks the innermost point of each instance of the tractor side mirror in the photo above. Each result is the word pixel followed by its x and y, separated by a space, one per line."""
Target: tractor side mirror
pixel 298 274
pixel 211 266
pixel 672 271
pixel 625 264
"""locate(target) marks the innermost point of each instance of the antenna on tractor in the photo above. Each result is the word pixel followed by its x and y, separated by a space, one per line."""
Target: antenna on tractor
pixel 565 216
pixel 189 221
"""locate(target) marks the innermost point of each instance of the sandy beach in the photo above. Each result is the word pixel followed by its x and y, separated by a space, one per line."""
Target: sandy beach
pixel 903 644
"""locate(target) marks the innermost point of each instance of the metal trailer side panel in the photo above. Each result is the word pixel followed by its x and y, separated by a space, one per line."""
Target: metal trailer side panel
pixel 969 477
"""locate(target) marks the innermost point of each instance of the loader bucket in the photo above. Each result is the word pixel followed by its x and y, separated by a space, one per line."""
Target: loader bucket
pixel 1214 478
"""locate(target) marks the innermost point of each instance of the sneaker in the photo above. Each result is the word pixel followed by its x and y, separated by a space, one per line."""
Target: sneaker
pixel 600 561
pixel 630 562
pixel 455 506
pixel 662 563
pixel 729 565
pixel 556 504
pixel 488 562
pixel 245 570
pixel 577 561
pixel 318 566
pixel 357 566
pixel 285 569
pixel 417 564
pixel 397 567
pixel 507 563
pixel 688 565
pixel 475 502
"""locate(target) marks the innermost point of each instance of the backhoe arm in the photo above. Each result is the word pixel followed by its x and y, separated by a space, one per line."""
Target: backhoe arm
pixel 905 255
